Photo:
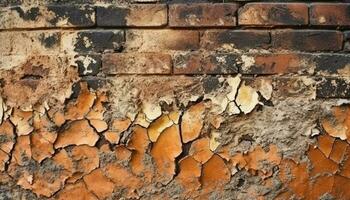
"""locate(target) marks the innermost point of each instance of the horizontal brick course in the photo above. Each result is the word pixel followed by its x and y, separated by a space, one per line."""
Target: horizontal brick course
pixel 46 16
pixel 212 63
pixel 229 39
pixel 161 40
pixel 141 15
pixel 301 63
pixel 95 41
pixel 271 14
pixel 307 40
pixel 284 63
pixel 202 15
pixel 136 63
pixel 330 14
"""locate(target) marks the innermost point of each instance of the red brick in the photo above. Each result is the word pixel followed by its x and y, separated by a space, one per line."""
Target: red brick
pixel 136 63
pixel 307 40
pixel 137 15
pixel 330 14
pixel 202 14
pixel 161 40
pixel 201 63
pixel 229 40
pixel 271 14
pixel 277 63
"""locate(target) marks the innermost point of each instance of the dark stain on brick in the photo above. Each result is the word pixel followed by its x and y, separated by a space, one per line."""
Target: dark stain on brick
pixel 331 63
pixel 99 41
pixel 78 16
pixel 283 14
pixel 242 39
pixel 191 11
pixel 308 40
pixel 211 83
pixel 30 15
pixel 226 63
pixel 94 83
pixel 92 69
pixel 75 90
pixel 111 16
pixel 50 40
pixel 333 88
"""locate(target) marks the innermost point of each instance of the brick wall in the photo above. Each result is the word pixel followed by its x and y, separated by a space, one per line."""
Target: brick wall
pixel 152 99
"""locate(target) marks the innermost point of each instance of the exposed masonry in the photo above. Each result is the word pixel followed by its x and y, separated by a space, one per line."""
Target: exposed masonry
pixel 148 99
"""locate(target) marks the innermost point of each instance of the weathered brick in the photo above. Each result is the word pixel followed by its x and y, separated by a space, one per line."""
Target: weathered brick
pixel 88 65
pixel 95 41
pixel 333 88
pixel 160 40
pixel 196 15
pixel 136 63
pixel 228 39
pixel 285 87
pixel 277 63
pixel 201 63
pixel 133 15
pixel 330 14
pixel 271 14
pixel 333 64
pixel 30 42
pixel 307 40
pixel 46 16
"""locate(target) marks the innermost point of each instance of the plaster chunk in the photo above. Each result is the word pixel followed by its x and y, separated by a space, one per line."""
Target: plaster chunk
pixel 23 121
pixel 247 99
pixel 99 184
pixel 7 136
pixel 190 172
pixel 233 84
pixel 78 109
pixel 164 152
pixel 85 160
pixel 200 150
pixel 99 125
pixel 265 88
pixel 76 191
pixel 215 173
pixel 338 123
pixel 158 126
pixel 151 111
pixel 78 133
pixel 232 109
pixel 192 122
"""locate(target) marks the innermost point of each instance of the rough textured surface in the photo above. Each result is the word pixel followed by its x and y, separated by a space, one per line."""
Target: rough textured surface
pixel 174 99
